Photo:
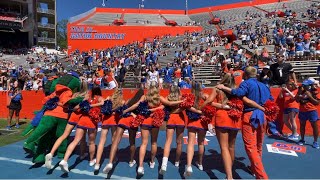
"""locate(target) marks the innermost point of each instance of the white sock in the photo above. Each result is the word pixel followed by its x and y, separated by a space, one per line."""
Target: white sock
pixel 164 161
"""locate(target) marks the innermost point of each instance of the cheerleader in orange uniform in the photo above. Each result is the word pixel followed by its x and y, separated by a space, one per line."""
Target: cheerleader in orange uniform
pixel 195 126
pixel 226 125
pixel 109 122
pixel 72 122
pixel 85 123
pixel 154 100
pixel 291 109
pixel 123 124
pixel 175 122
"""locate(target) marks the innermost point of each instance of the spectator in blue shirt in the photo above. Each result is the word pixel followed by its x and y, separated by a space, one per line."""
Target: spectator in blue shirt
pixel 14 107
pixel 168 73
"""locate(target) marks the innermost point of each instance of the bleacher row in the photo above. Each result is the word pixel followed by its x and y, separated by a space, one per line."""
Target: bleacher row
pixel 136 19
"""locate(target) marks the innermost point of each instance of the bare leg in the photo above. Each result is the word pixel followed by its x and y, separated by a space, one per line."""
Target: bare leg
pixel 73 144
pixel 201 136
pixel 132 141
pixel 179 138
pixel 64 136
pixel 92 146
pixel 143 146
pixel 223 139
pixel 115 143
pixel 103 138
pixel 292 117
pixel 154 145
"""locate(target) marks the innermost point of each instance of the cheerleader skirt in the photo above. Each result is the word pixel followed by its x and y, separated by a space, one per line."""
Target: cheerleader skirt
pixel 125 123
pixel 74 118
pixel 197 125
pixel 176 120
pixel 222 120
pixel 85 122
pixel 108 121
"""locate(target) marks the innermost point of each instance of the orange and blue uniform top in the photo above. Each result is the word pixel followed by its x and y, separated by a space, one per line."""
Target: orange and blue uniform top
pixel 256 91
pixel 308 106
pixel 290 102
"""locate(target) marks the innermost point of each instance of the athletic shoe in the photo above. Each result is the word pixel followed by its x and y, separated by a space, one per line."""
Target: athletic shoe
pixel 140 171
pixel 96 167
pixel 64 166
pixel 200 167
pixel 293 138
pixel 107 169
pixel 17 126
pixel 163 169
pixel 92 163
pixel 301 142
pixel 188 171
pixel 8 128
pixel 315 145
pixel 152 164
pixel 132 163
pixel 48 161
pixel 176 164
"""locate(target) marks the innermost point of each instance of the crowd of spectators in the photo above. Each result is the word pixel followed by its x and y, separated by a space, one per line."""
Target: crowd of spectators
pixel 111 67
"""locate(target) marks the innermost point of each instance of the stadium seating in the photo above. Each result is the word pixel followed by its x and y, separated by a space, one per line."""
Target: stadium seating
pixel 101 19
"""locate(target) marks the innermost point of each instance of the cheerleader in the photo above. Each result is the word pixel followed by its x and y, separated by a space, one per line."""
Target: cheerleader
pixel 108 122
pixel 72 122
pixel 175 122
pixel 291 109
pixel 123 124
pixel 196 126
pixel 86 122
pixel 226 125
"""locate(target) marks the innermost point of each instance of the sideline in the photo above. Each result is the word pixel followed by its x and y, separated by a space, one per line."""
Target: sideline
pixel 76 171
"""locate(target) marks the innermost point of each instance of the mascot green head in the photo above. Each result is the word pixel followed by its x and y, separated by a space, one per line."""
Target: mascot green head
pixel 71 81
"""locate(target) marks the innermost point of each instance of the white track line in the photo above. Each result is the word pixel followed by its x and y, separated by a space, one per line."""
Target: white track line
pixel 76 171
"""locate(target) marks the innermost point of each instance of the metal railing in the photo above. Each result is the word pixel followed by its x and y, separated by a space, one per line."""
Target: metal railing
pixel 46 40
pixel 51 26
pixel 46 11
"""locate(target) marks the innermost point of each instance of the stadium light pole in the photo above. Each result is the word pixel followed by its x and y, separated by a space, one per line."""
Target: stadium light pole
pixel 186 7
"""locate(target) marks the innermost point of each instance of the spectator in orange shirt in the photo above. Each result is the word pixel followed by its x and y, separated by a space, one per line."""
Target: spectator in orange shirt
pixel 308 97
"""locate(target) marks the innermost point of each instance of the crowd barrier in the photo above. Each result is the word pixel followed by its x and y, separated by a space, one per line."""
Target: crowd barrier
pixel 32 101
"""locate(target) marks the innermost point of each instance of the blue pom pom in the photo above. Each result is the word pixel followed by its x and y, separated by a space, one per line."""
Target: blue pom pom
pixel 120 110
pixel 167 113
pixel 85 106
pixel 143 109
pixel 106 108
pixel 192 115
pixel 51 103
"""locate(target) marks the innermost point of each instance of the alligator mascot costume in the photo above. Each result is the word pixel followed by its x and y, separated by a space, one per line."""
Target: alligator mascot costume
pixel 54 119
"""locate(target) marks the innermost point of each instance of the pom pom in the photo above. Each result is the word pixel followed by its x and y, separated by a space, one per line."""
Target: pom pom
pixel 236 110
pixel 271 110
pixel 193 116
pixel 137 121
pixel 167 113
pixel 106 108
pixel 236 103
pixel 85 106
pixel 94 114
pixel 208 111
pixel 52 103
pixel 143 109
pixel 205 119
pixel 158 117
pixel 188 101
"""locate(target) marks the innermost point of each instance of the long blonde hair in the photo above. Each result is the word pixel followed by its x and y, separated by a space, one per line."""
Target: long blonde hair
pixel 196 91
pixel 221 95
pixel 83 89
pixel 117 98
pixel 174 94
pixel 153 96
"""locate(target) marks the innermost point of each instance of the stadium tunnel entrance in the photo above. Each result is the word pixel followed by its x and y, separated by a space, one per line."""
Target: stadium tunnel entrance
pixel 13 39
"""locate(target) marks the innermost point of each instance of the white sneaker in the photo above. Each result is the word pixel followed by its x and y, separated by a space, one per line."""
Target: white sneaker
pixel 48 161
pixel 132 163
pixel 152 165
pixel 177 164
pixel 200 167
pixel 163 169
pixel 140 171
pixel 107 169
pixel 64 166
pixel 96 167
pixel 93 162
pixel 188 171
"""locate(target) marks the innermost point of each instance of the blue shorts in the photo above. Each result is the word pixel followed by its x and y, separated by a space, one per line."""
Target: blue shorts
pixel 312 116
pixel 289 110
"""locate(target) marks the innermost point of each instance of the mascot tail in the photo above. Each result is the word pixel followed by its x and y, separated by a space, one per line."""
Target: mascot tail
pixel 34 123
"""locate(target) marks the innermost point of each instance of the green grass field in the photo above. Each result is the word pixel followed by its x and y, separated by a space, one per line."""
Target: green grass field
pixel 13 137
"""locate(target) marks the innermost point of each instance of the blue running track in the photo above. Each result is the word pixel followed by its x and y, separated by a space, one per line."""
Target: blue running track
pixel 15 164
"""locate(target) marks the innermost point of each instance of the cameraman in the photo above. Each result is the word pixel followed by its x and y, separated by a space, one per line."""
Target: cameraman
pixel 308 98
